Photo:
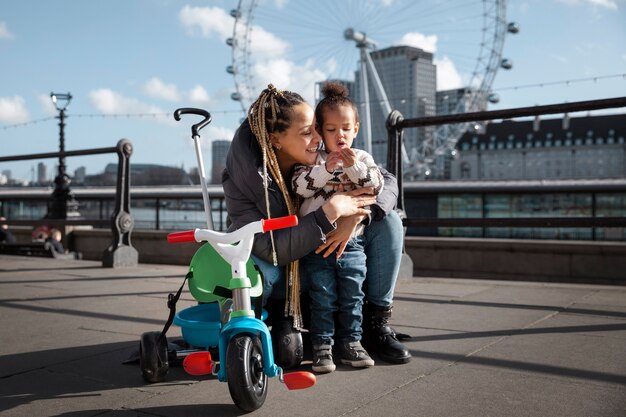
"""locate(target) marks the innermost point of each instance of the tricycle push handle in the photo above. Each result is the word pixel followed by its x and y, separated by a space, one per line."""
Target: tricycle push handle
pixel 200 112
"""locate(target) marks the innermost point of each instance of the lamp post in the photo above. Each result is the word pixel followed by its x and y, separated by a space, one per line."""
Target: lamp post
pixel 62 198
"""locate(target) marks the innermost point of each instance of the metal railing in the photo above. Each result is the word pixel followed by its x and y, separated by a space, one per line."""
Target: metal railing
pixel 396 123
pixel 121 251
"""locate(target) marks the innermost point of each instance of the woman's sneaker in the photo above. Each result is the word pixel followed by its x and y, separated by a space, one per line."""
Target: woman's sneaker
pixel 352 353
pixel 323 359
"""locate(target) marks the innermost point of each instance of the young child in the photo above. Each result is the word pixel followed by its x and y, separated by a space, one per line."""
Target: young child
pixel 336 282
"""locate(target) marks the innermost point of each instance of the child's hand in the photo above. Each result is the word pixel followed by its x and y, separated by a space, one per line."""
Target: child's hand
pixel 333 162
pixel 349 157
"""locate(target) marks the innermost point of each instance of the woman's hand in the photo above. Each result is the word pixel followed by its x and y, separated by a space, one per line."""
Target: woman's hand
pixel 347 204
pixel 338 238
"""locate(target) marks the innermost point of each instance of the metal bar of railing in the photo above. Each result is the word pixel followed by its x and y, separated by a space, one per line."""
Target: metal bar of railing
pixel 82 152
pixel 514 113
pixel 59 222
pixel 517 222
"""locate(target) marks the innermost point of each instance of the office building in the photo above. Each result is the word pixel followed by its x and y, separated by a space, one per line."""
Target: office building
pixel 42 173
pixel 409 78
pixel 219 150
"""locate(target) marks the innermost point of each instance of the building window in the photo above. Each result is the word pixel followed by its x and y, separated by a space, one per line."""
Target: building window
pixel 465 169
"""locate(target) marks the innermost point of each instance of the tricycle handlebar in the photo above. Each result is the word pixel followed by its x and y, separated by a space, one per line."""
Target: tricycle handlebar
pixel 198 235
pixel 279 223
pixel 180 237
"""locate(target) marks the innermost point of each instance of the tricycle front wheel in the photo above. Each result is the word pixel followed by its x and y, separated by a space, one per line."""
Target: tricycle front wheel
pixel 247 382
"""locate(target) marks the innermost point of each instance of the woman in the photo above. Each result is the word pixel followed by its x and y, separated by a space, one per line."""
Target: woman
pixel 278 134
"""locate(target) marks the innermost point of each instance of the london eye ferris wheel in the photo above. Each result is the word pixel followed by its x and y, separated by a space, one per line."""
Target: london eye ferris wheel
pixel 296 44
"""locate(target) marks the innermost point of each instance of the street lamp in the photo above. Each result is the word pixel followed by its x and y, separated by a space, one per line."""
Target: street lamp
pixel 62 198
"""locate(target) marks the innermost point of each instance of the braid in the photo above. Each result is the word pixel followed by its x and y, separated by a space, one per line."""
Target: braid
pixel 271 112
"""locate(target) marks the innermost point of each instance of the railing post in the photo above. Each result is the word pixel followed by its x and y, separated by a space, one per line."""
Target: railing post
pixel 121 253
pixel 394 152
pixel 394 166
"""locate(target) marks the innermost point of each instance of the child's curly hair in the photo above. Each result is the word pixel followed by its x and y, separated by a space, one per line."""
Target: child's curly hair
pixel 335 94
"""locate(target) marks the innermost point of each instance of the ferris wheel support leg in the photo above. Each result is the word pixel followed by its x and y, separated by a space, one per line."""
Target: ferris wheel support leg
pixel 381 94
pixel 366 101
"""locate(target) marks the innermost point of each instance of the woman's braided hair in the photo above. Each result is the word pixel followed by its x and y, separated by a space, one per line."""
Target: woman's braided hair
pixel 272 113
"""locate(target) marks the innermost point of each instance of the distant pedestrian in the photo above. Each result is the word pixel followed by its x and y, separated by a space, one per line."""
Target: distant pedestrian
pixel 5 234
pixel 55 241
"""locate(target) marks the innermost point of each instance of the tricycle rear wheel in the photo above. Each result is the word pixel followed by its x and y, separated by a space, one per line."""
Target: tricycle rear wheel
pixel 247 382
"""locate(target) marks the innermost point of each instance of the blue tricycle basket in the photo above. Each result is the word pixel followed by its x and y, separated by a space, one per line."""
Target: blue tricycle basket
pixel 200 324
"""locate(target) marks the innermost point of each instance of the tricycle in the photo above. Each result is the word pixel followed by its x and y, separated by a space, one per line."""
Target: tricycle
pixel 229 314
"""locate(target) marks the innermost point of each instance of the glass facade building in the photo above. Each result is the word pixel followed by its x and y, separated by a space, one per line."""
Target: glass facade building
pixel 409 78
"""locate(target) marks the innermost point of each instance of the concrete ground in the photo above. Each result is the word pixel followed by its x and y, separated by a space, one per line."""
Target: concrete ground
pixel 480 348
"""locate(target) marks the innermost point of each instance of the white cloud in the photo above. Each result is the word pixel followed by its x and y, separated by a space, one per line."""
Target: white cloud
pixel 211 133
pixel 156 88
pixel 46 104
pixel 608 4
pixel 13 110
pixel 448 77
pixel 286 75
pixel 266 45
pixel 110 102
pixel 198 94
pixel 5 33
pixel 418 40
pixel 206 20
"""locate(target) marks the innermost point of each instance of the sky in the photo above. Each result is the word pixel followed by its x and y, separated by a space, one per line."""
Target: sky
pixel 128 64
